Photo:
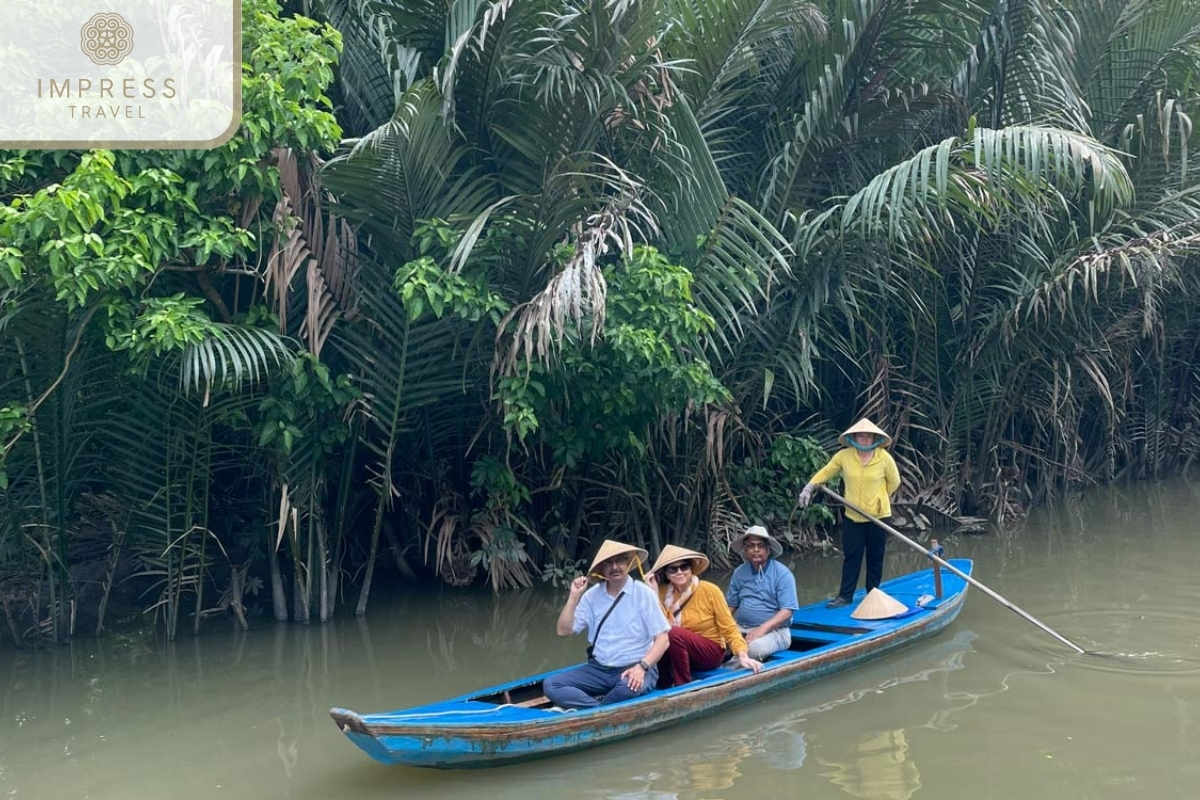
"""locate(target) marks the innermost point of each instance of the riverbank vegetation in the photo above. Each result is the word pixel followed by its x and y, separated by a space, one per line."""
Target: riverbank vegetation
pixel 478 284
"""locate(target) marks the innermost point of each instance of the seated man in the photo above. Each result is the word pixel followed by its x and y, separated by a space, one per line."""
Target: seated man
pixel 762 593
pixel 626 627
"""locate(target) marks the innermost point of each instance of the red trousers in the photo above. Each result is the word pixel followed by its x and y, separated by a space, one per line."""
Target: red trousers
pixel 688 651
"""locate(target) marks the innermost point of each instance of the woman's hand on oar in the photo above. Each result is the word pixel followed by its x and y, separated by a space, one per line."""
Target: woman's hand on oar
pixel 802 501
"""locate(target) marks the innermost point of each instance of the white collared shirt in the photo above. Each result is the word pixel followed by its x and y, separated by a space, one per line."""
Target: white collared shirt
pixel 629 630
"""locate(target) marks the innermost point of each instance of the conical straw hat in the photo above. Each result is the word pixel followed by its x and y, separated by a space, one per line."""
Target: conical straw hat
pixel 864 425
pixel 612 548
pixel 878 605
pixel 673 553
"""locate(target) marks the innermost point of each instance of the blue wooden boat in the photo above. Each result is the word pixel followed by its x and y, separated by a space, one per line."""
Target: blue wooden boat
pixel 514 721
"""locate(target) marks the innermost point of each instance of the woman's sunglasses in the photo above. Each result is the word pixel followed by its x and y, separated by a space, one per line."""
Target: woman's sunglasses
pixel 672 568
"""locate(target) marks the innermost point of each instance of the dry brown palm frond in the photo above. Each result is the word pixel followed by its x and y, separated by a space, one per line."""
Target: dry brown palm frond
pixel 1135 259
pixel 502 550
pixel 875 401
pixel 575 297
pixel 578 289
pixel 285 260
pixel 716 423
pixel 726 522
pixel 443 530
pixel 317 241
pixel 287 510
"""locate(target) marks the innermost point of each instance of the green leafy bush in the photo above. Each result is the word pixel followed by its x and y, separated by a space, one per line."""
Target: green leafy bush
pixel 767 488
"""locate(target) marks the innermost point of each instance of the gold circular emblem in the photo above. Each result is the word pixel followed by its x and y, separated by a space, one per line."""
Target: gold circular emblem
pixel 106 38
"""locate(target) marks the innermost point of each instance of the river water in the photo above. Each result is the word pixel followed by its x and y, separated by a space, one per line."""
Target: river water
pixel 990 708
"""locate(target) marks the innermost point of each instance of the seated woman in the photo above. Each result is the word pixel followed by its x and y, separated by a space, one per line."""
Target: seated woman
pixel 701 625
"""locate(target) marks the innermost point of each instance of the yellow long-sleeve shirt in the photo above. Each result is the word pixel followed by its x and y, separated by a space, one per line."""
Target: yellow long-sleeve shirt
pixel 707 614
pixel 869 486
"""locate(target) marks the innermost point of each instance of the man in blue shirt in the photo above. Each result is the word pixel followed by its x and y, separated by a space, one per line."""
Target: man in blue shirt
pixel 762 593
pixel 626 627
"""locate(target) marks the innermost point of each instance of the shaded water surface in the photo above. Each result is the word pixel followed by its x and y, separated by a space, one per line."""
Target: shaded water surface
pixel 991 708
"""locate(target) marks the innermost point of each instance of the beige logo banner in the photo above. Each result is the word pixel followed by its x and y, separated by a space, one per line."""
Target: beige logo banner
pixel 119 73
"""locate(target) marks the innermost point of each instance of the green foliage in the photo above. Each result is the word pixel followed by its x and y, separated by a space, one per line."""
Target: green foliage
pixel 494 482
pixel 767 488
pixel 161 325
pixel 116 222
pixel 650 363
pixel 423 285
pixel 502 553
pixel 521 396
pixel 306 401
pixel 500 526
pixel 291 61
pixel 14 419
pixel 975 223
pixel 144 259
pixel 560 573
pixel 92 233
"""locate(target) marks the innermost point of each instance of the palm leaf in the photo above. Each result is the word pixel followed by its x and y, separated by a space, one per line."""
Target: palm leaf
pixel 234 356
pixel 411 168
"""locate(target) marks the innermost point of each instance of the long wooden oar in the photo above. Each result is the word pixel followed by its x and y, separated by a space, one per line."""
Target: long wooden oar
pixel 1002 601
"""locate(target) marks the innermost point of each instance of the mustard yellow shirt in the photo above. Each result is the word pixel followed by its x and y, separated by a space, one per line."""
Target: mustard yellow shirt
pixel 707 614
pixel 869 486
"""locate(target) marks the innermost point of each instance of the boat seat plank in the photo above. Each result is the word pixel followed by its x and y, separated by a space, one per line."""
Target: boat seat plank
pixel 818 627
pixel 533 702
pixel 818 636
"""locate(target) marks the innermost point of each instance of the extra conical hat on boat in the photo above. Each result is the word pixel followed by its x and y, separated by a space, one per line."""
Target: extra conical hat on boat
pixel 878 605
pixel 612 548
pixel 864 425
pixel 672 554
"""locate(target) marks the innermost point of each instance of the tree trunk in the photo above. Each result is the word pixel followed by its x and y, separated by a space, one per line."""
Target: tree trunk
pixel 278 598
pixel 385 476
pixel 324 601
pixel 365 592
pixel 199 616
pixel 300 581
pixel 236 590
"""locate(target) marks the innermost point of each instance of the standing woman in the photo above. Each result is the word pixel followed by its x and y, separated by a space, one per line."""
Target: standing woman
pixel 703 632
pixel 871 478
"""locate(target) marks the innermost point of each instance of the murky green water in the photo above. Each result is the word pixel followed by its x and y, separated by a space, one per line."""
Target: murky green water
pixel 991 708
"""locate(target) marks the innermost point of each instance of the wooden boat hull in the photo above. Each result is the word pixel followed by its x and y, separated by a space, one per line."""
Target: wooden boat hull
pixel 481 730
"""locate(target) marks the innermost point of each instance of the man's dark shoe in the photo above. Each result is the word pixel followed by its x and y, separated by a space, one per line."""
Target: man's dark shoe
pixel 837 602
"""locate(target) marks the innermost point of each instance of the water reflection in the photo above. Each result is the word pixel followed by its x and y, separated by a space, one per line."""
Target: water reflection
pixel 81 717
pixel 876 768
pixel 875 765
pixel 498 632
